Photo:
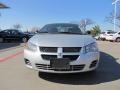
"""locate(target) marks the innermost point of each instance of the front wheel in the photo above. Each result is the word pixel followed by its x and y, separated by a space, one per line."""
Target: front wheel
pixel 24 39
pixel 118 39
pixel 111 40
pixel 1 40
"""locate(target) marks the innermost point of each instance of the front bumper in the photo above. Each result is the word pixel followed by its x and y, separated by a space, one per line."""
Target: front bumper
pixel 87 60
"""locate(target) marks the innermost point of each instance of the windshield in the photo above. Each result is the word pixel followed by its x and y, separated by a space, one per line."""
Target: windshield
pixel 61 28
pixel 111 32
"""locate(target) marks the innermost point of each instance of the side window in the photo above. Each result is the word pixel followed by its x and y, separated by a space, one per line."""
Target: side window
pixel 2 31
pixel 6 32
pixel 119 33
pixel 14 32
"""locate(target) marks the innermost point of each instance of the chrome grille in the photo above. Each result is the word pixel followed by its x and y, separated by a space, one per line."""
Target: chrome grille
pixel 62 52
pixel 65 49
pixel 72 67
pixel 71 49
pixel 48 49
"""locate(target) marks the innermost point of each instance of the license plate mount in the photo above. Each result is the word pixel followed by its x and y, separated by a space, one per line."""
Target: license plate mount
pixel 60 64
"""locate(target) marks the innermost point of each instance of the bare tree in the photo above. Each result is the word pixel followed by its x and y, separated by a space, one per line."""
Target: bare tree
pixel 84 23
pixel 17 26
pixel 110 18
pixel 35 29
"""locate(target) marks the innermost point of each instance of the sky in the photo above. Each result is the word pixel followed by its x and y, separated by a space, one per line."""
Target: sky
pixel 37 13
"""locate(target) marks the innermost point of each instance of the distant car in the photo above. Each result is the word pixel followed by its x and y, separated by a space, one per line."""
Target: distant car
pixel 13 35
pixel 30 34
pixel 106 33
pixel 114 37
pixel 97 37
pixel 61 48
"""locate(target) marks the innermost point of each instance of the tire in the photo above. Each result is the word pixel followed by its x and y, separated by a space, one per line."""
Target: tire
pixel 111 40
pixel 99 38
pixel 1 40
pixel 118 39
pixel 24 39
pixel 103 39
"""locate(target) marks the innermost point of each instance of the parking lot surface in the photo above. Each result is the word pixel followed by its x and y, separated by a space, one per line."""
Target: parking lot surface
pixel 15 76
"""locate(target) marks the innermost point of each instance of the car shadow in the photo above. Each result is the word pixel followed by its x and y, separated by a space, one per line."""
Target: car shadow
pixel 108 70
pixel 4 46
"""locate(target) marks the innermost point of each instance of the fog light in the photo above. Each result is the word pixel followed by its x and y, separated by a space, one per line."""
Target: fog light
pixel 27 62
pixel 93 64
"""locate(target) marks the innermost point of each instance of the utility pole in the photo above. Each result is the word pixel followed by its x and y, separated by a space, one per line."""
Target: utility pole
pixel 115 12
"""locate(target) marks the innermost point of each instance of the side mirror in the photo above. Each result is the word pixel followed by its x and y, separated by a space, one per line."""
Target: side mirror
pixel 88 32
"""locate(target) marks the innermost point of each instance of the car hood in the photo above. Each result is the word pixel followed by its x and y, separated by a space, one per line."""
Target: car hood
pixel 61 40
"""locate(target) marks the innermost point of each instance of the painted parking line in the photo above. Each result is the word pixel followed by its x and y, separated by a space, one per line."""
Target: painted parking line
pixel 11 56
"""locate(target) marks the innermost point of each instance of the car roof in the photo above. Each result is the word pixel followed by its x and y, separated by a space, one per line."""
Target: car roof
pixel 63 24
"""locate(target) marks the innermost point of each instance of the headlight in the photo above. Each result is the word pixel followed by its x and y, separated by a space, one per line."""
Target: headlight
pixel 31 46
pixel 90 48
